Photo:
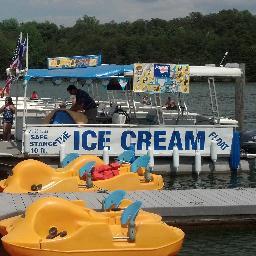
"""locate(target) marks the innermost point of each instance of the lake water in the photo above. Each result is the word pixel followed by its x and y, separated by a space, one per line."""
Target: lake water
pixel 204 241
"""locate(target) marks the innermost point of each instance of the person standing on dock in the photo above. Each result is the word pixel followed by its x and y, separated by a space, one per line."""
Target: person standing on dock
pixel 8 111
pixel 83 102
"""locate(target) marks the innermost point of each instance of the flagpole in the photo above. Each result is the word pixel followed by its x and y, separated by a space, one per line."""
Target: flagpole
pixel 25 100
pixel 17 92
pixel 27 55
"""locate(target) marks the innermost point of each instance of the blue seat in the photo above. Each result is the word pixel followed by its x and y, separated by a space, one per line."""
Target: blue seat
pixel 68 159
pixel 113 200
pixel 141 161
pixel 127 156
pixel 86 168
pixel 128 218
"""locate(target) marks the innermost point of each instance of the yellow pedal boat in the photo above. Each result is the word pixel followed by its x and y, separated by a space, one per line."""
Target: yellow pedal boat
pixel 56 227
pixel 32 175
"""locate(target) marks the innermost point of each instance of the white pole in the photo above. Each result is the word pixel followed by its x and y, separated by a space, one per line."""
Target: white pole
pixel 16 102
pixel 213 151
pixel 27 55
pixel 25 95
pixel 151 157
pixel 16 112
pixel 105 155
pixel 198 163
pixel 24 113
pixel 175 158
pixel 225 55
pixel 62 152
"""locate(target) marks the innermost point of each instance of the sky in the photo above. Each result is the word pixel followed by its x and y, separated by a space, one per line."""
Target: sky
pixel 66 12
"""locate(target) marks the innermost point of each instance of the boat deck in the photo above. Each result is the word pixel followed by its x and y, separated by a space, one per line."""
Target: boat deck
pixel 195 206
pixel 10 148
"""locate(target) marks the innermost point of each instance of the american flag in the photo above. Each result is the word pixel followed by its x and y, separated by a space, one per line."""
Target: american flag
pixel 18 54
pixel 16 65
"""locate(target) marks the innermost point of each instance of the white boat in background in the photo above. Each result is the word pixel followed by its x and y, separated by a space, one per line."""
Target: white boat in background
pixel 125 123
pixel 44 129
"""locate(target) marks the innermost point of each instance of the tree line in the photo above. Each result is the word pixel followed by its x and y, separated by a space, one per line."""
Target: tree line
pixel 196 39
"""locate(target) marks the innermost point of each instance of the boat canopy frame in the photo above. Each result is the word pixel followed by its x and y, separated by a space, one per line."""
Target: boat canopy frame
pixel 118 71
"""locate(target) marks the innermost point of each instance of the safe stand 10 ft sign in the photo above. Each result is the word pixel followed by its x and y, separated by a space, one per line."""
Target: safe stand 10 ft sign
pixel 92 140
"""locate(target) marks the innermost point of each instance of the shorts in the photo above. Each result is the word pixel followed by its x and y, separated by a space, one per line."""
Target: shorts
pixel 8 121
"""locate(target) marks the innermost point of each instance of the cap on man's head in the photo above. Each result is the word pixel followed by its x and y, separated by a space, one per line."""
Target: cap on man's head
pixel 71 87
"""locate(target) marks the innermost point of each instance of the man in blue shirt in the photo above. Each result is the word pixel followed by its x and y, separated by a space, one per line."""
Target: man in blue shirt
pixel 83 103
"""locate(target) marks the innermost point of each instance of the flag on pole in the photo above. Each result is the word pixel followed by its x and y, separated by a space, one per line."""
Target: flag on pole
pixel 16 64
pixel 18 54
pixel 8 83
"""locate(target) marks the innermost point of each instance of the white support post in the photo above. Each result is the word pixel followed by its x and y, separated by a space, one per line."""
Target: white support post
pixel 62 152
pixel 213 151
pixel 151 157
pixel 176 158
pixel 106 155
pixel 25 99
pixel 16 106
pixel 198 163
pixel 24 115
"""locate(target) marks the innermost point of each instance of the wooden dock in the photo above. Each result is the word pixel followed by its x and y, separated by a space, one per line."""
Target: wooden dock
pixel 197 206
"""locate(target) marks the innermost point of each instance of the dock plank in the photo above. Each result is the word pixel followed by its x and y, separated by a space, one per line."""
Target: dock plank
pixel 196 203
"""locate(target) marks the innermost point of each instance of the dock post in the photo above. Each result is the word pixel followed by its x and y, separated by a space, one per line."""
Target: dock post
pixel 213 151
pixel 239 97
pixel 151 159
pixel 62 152
pixel 198 163
pixel 176 158
pixel 105 155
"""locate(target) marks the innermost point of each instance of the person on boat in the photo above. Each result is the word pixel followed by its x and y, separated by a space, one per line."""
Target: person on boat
pixel 170 104
pixel 8 111
pixel 34 96
pixel 83 103
pixel 146 100
pixel 73 99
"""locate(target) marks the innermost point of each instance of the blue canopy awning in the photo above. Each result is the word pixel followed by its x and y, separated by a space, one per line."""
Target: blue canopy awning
pixel 103 71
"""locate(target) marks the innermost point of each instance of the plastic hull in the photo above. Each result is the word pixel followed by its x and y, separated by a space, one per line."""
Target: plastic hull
pixel 165 251
pixel 32 172
pixel 87 232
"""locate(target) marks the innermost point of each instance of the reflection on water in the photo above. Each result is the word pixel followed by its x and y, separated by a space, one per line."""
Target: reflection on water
pixel 211 180
pixel 215 241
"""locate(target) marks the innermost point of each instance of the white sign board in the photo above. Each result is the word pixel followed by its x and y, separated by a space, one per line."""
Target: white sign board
pixel 46 141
